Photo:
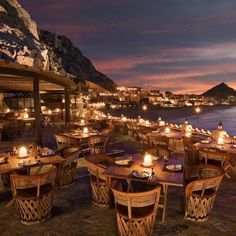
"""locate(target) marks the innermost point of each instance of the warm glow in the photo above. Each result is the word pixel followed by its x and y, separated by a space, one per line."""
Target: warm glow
pixel 147 161
pixel 197 109
pixel 57 110
pixel 26 116
pixel 23 152
pixel 167 130
pixel 85 130
pixel 26 109
pixel 220 141
pixel 124 119
pixel 144 107
pixel 49 112
pixel 8 110
pixel 82 122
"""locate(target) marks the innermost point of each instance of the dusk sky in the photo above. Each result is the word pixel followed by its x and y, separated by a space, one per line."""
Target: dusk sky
pixel 177 45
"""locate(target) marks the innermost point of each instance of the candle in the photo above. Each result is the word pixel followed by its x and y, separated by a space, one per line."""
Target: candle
pixel 23 152
pixel 85 130
pixel 147 162
pixel 167 130
pixel 26 116
pixel 220 141
pixel 82 122
pixel 49 112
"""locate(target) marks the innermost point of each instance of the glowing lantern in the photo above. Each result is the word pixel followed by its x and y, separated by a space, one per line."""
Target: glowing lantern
pixel 147 161
pixel 23 152
pixel 167 130
pixel 85 130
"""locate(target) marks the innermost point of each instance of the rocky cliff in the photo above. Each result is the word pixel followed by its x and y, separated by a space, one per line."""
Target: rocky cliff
pixel 72 60
pixel 21 42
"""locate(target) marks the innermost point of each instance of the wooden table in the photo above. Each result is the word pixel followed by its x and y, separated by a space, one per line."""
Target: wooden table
pixel 213 145
pixel 13 162
pixel 80 135
pixel 165 178
pixel 174 136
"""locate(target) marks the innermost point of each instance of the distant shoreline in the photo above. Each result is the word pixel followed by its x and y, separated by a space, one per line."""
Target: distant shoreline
pixel 168 114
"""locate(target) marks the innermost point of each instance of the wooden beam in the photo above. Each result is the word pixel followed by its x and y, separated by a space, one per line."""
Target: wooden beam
pixel 37 112
pixel 67 107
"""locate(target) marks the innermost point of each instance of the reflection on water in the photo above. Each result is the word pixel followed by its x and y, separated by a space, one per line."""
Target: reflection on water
pixel 210 120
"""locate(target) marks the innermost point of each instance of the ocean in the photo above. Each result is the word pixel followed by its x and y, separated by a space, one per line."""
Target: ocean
pixel 208 119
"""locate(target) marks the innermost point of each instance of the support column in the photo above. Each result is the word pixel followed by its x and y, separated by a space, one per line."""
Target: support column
pixel 67 107
pixel 37 111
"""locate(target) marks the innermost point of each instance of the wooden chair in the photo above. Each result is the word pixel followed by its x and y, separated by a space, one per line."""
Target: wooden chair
pixel 33 195
pixel 217 157
pixel 62 141
pixel 191 153
pixel 66 175
pixel 101 192
pixel 200 192
pixel 136 212
pixel 98 143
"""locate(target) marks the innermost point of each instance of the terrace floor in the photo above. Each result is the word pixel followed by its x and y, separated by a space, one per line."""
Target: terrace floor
pixel 74 213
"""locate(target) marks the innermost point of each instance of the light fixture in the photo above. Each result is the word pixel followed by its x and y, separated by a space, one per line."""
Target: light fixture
pixel 23 153
pixel 147 161
pixel 167 130
pixel 220 126
pixel 26 115
pixel 85 130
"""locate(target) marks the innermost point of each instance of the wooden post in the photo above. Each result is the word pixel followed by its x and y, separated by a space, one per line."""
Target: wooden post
pixel 37 109
pixel 67 107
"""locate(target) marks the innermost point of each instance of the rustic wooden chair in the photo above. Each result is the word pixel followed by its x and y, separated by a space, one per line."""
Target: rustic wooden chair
pixel 215 156
pixel 66 175
pixel 33 195
pixel 98 144
pixel 136 212
pixel 191 153
pixel 62 141
pixel 200 193
pixel 101 192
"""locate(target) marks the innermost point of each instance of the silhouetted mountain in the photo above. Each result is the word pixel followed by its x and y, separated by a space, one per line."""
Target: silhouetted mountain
pixel 219 91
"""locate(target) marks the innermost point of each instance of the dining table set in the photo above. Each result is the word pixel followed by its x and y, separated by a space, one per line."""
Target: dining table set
pixel 12 161
pixel 132 168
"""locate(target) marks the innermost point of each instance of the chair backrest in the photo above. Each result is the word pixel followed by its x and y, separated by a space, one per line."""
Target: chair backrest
pixel 36 170
pixel 188 142
pixel 162 140
pixel 98 139
pixel 62 141
pixel 216 155
pixel 138 199
pixel 204 177
pixel 20 182
pixel 71 157
pixel 96 171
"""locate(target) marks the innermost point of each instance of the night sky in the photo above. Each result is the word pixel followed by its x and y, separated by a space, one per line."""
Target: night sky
pixel 177 45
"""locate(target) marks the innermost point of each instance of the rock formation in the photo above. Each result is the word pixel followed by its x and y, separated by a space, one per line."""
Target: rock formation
pixel 21 42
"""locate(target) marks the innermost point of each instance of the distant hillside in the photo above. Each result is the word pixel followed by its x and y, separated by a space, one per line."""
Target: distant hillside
pixel 21 42
pixel 220 91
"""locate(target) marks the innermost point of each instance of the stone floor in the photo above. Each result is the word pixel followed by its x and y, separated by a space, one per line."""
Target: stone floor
pixel 74 214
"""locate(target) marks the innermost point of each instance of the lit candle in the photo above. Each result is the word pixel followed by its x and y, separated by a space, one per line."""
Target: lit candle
pixel 26 116
pixel 147 162
pixel 23 152
pixel 220 141
pixel 49 112
pixel 82 122
pixel 167 130
pixel 57 110
pixel 85 130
